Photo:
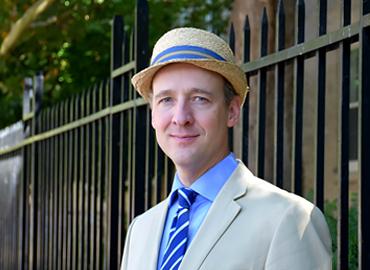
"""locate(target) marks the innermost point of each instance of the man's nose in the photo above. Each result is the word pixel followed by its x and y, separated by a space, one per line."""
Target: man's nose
pixel 183 114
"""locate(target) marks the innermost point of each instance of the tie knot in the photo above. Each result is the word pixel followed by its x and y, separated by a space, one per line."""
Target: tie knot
pixel 186 197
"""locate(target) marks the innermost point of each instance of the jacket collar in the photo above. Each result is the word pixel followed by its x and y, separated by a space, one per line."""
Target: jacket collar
pixel 222 213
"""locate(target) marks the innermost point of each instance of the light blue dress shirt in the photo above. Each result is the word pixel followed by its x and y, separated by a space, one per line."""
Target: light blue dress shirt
pixel 207 186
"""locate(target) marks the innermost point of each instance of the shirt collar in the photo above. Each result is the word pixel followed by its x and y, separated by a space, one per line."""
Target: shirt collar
pixel 210 183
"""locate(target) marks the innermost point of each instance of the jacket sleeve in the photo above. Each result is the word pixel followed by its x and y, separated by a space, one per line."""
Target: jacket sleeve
pixel 126 250
pixel 301 240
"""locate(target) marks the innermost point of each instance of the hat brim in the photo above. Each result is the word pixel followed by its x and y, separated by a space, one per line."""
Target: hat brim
pixel 142 81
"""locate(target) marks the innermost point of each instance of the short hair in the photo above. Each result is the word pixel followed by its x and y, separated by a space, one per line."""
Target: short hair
pixel 229 92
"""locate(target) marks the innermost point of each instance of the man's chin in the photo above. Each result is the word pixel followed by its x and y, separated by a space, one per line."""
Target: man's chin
pixel 182 161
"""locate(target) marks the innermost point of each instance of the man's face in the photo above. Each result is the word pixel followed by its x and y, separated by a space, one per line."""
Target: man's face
pixel 190 116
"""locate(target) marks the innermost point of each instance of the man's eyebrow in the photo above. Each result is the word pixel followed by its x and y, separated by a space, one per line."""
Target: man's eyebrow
pixel 202 91
pixel 167 92
pixel 163 93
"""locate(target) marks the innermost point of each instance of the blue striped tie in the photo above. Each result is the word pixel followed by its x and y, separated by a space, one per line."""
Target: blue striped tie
pixel 178 239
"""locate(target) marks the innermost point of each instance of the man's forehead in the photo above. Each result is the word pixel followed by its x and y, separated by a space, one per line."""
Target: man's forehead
pixel 174 67
pixel 197 80
pixel 170 91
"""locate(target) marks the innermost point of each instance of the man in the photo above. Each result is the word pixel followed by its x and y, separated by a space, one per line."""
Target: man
pixel 218 215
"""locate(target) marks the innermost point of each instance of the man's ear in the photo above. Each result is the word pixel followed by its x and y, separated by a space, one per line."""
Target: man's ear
pixel 234 111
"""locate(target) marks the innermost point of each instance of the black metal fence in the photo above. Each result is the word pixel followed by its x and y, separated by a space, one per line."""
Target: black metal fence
pixel 91 163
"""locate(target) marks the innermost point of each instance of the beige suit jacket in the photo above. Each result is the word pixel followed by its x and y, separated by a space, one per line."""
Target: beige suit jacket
pixel 250 225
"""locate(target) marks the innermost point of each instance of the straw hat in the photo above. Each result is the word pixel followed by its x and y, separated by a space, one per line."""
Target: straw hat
pixel 193 46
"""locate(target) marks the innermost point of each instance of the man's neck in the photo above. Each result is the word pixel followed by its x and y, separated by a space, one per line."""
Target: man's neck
pixel 188 175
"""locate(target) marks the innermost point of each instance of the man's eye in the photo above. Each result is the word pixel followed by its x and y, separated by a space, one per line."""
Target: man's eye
pixel 165 100
pixel 200 99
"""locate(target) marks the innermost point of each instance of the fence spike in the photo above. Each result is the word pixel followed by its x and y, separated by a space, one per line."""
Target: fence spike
pixel 300 21
pixel 247 40
pixel 280 41
pixel 39 89
pixel 346 12
pixel 281 7
pixel 323 9
pixel 264 33
pixel 232 37
pixel 142 35
pixel 365 7
pixel 117 42
pixel 264 17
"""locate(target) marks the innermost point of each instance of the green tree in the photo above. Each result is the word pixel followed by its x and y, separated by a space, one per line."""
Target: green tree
pixel 70 42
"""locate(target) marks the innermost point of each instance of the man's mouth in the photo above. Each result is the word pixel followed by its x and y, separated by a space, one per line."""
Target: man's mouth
pixel 184 138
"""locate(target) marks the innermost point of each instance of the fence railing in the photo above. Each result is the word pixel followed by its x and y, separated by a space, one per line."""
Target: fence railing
pixel 91 163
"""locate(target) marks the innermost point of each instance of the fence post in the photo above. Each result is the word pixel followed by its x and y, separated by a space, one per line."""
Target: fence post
pixel 232 47
pixel 115 127
pixel 39 89
pixel 24 224
pixel 261 113
pixel 320 117
pixel 364 143
pixel 31 108
pixel 343 142
pixel 140 112
pixel 245 140
pixel 298 101
pixel 279 100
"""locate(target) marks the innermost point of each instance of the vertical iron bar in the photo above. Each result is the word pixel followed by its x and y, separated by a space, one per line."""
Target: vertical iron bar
pixel 279 100
pixel 40 199
pixel 105 181
pixel 44 193
pixel 36 185
pixel 26 207
pixel 34 182
pixel 91 190
pixel 343 247
pixel 130 122
pixel 298 101
pixel 60 190
pixel 51 191
pixel 63 184
pixel 98 162
pixel 364 145
pixel 149 159
pixel 26 88
pixel 232 47
pixel 261 110
pixel 55 192
pixel 141 35
pixel 245 124
pixel 70 174
pixel 76 152
pixel 80 187
pixel 139 146
pixel 47 191
pixel 100 177
pixel 320 121
pixel 87 181
pixel 117 42
pixel 160 174
pixel 123 221
pixel 142 59
pixel 122 152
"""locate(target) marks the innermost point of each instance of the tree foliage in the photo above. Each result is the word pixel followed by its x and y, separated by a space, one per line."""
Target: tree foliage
pixel 70 42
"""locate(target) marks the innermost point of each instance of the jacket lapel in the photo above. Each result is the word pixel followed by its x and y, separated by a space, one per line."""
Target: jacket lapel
pixel 221 214
pixel 156 229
